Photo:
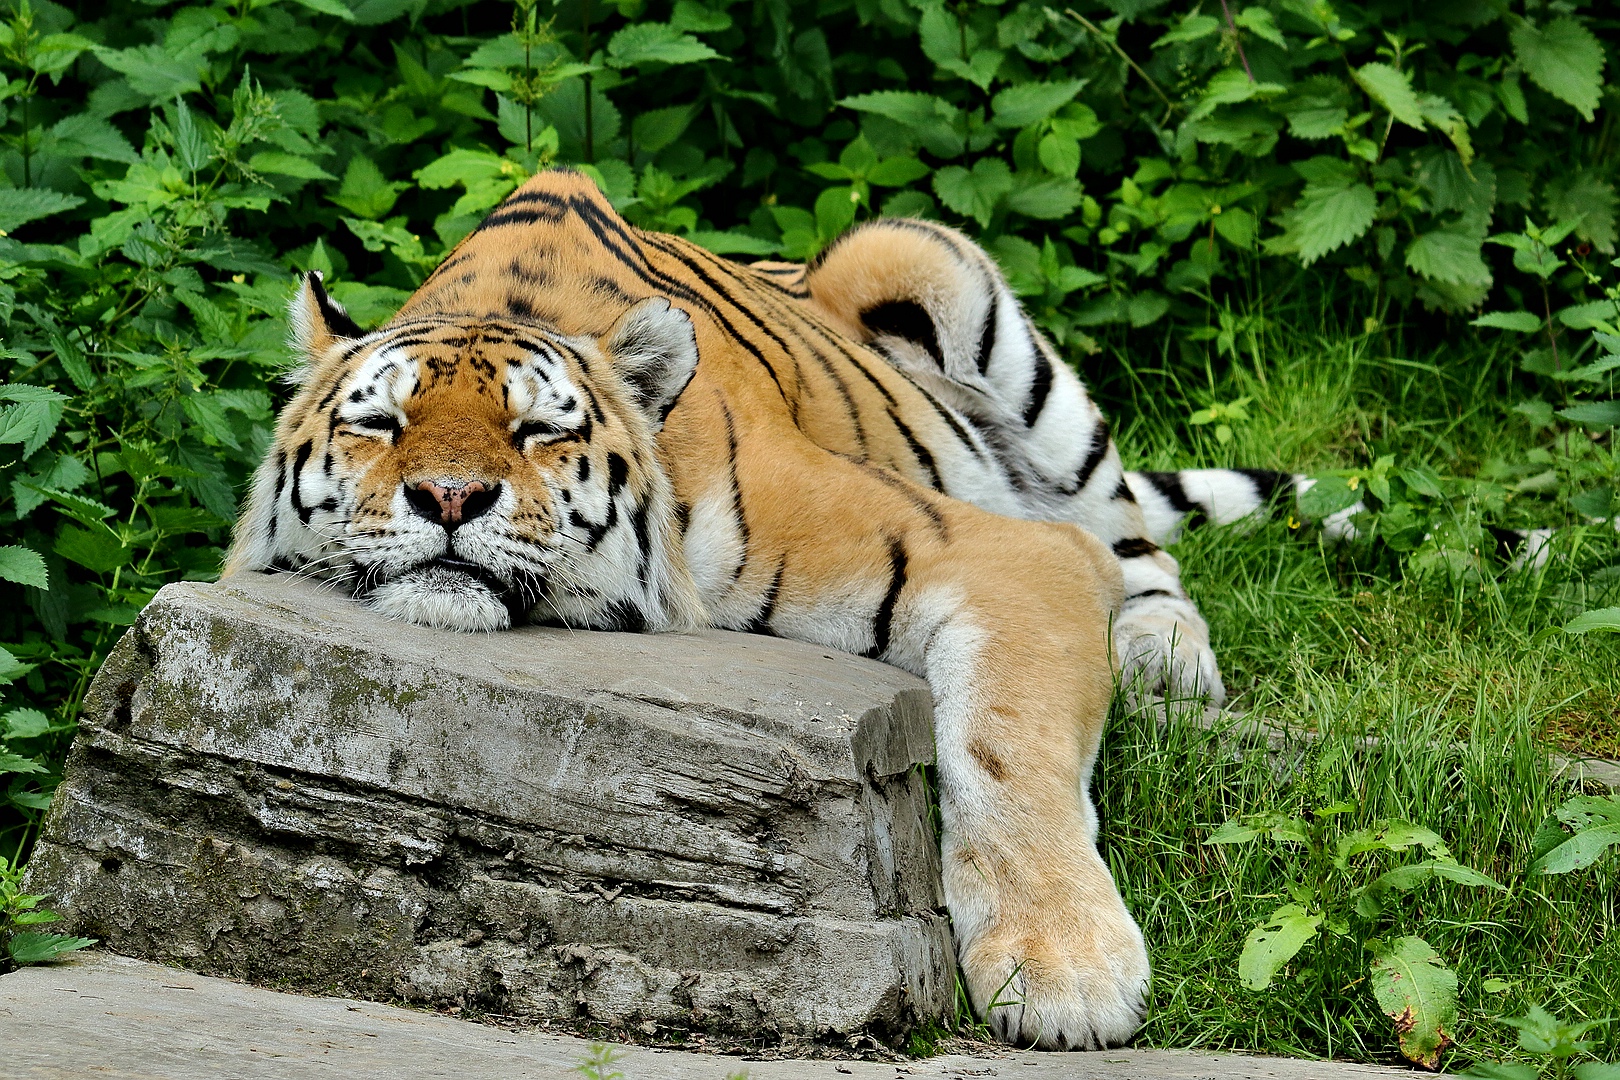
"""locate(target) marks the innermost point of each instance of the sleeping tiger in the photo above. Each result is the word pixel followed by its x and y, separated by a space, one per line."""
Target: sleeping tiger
pixel 573 421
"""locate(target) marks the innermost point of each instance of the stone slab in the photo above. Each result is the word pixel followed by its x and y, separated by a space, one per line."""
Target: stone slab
pixel 715 830
pixel 110 1018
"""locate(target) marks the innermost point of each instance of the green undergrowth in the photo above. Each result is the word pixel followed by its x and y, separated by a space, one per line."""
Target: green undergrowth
pixel 1432 691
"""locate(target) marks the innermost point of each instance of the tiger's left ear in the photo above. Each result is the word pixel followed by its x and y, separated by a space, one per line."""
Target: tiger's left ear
pixel 317 320
pixel 654 348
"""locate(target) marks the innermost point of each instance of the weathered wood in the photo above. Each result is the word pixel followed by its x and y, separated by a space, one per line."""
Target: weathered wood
pixel 713 830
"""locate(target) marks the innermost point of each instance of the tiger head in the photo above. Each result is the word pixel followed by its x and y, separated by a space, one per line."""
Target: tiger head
pixel 473 472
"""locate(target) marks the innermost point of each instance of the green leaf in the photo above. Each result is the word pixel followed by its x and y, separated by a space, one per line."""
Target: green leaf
pixel 283 164
pixel 1595 1070
pixel 1029 103
pixel 16 764
pixel 366 192
pixel 377 12
pixel 1564 59
pixel 34 417
pixel 1449 255
pixel 658 128
pixel 1567 853
pixel 1327 496
pixel 26 724
pixel 1237 227
pixel 490 78
pixel 91 136
pixel 896 172
pixel 931 118
pixel 18 206
pixel 1146 308
pixel 24 566
pixel 1192 28
pixel 1392 89
pixel 1522 321
pixel 1047 200
pixel 698 19
pixel 191 149
pixel 732 243
pixel 1594 413
pixel 469 167
pixel 1422 479
pixel 835 211
pixel 1264 26
pixel 1058 154
pixel 1418 992
pixel 99 551
pixel 1236 831
pixel 974 193
pixel 1596 619
pixel 369 304
pixel 28 947
pixel 942 35
pixel 329 7
pixel 656 43
pixel 1589 198
pixel 1588 316
pixel 10 671
pixel 155 74
pixel 1490 1070
pixel 1410 877
pixel 1274 942
pixel 84 510
pixel 1443 116
pixel 1511 94
pixel 1324 219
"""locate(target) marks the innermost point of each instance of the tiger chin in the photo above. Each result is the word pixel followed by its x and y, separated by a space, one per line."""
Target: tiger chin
pixel 577 422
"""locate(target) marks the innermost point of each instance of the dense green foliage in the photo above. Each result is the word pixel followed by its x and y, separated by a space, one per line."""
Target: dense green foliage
pixel 1160 180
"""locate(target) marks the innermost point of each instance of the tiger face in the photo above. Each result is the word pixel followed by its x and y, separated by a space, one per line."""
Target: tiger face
pixel 472 473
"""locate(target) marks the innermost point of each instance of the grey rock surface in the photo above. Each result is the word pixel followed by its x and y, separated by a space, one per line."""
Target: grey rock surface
pixel 711 831
pixel 109 1017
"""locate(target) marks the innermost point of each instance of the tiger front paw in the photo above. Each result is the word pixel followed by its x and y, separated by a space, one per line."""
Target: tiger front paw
pixel 1069 974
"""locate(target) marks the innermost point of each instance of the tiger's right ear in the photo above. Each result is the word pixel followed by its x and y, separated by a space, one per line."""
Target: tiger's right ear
pixel 317 320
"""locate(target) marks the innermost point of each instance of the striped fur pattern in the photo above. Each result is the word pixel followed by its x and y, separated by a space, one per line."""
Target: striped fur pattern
pixel 577 422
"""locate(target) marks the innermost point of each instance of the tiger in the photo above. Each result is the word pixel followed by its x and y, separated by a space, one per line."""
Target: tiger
pixel 577 422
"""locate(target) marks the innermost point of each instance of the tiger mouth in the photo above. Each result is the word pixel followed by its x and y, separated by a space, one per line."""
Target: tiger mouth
pixel 478 573
pixel 450 593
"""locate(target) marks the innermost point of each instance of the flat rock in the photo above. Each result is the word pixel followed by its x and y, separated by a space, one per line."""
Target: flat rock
pixel 708 831
pixel 106 1016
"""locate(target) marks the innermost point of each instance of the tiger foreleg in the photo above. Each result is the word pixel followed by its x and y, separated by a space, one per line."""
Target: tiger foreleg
pixel 1011 633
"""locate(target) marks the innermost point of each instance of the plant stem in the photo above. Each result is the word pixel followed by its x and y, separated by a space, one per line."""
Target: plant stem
pixel 1232 26
pixel 28 176
pixel 1123 55
pixel 1552 338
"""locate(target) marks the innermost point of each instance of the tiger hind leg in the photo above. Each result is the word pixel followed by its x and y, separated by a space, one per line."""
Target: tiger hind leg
pixel 938 307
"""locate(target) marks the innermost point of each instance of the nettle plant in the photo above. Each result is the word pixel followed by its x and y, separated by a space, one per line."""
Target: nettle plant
pixel 20 916
pixel 1555 1044
pixel 1340 894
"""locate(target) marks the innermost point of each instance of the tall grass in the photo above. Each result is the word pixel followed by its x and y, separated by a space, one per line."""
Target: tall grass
pixel 1458 682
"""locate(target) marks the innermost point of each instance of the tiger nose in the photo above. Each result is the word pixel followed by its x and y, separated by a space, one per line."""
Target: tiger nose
pixel 451 505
